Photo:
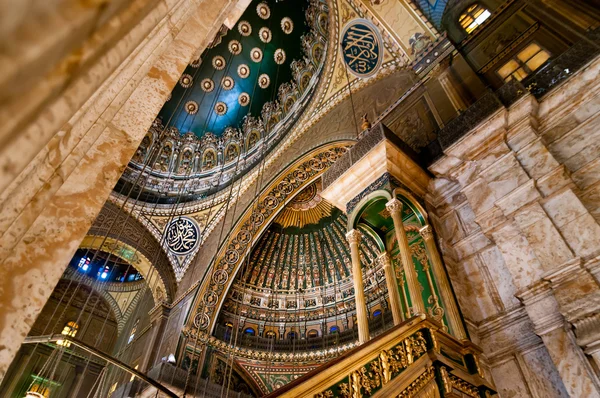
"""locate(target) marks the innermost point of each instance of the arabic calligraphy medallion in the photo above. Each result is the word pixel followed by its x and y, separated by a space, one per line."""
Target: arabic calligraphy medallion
pixel 182 235
pixel 362 47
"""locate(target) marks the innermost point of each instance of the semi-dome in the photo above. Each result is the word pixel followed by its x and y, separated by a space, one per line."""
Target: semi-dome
pixel 235 101
pixel 300 269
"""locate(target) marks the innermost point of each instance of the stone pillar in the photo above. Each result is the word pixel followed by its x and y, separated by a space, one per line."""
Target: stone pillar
pixel 571 364
pixel 394 206
pixel 159 316
pixel 443 285
pixel 392 286
pixel 359 292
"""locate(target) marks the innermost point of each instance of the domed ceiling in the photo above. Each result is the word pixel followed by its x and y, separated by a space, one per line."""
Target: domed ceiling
pixel 302 261
pixel 244 91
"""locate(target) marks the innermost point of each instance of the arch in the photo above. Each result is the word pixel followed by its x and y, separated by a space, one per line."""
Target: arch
pixel 131 237
pixel 312 333
pixel 209 159
pixel 231 152
pixel 251 225
pixel 413 203
pixel 367 229
pixel 354 216
pixel 252 139
pixel 249 332
pixel 271 334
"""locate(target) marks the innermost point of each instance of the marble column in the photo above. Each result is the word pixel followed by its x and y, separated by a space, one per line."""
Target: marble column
pixel 159 317
pixel 392 287
pixel 359 291
pixel 445 290
pixel 394 206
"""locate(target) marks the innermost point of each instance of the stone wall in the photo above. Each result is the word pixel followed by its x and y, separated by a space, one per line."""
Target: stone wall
pixel 516 205
pixel 60 166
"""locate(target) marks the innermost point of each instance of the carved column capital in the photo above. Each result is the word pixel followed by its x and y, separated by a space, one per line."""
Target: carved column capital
pixel 394 206
pixel 384 259
pixel 426 232
pixel 354 236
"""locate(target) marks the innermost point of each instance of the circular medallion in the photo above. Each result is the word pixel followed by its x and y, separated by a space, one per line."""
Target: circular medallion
pixel 270 202
pixel 287 25
pixel 218 62
pixel 245 28
pixel 244 99
pixel 279 56
pixel 265 35
pixel 243 71
pixel 263 10
pixel 256 54
pixel 201 321
pixel 186 80
pixel 227 83
pixel 191 107
pixel 362 47
pixel 231 256
pixel 244 236
pixel 220 108
pixel 235 47
pixel 257 219
pixel 207 85
pixel 182 235
pixel 220 276
pixel 264 80
pixel 210 299
pixel 196 63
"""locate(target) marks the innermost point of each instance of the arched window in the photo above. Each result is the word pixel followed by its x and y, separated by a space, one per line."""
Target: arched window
pixel 473 17
pixel 334 329
pixel 249 332
pixel 313 333
pixel 376 313
pixel 70 330
pixel 292 335
pixel 133 330
pixel 271 334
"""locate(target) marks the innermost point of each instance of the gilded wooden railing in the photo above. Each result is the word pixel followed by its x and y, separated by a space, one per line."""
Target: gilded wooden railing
pixel 414 359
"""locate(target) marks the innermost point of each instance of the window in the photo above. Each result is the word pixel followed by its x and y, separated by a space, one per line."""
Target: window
pixel 524 63
pixel 84 264
pixel 249 332
pixel 334 329
pixel 271 334
pixel 133 330
pixel 70 330
pixel 292 335
pixel 376 313
pixel 473 17
pixel 313 333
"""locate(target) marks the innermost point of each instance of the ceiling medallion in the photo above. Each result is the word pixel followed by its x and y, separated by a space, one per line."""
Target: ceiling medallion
pixel 263 10
pixel 235 47
pixel 256 54
pixel 186 80
pixel 264 80
pixel 227 83
pixel 265 34
pixel 196 63
pixel 287 25
pixel 244 99
pixel 243 71
pixel 218 62
pixel 191 107
pixel 207 85
pixel 220 108
pixel 245 28
pixel 279 56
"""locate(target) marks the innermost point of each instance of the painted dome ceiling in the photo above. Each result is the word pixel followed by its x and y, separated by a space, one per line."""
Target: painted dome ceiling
pixel 302 261
pixel 236 100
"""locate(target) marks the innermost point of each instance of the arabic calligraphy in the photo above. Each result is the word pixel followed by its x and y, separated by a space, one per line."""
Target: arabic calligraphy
pixel 182 236
pixel 361 47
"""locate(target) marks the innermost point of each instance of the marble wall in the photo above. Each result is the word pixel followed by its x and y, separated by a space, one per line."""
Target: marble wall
pixel 516 205
pixel 61 163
